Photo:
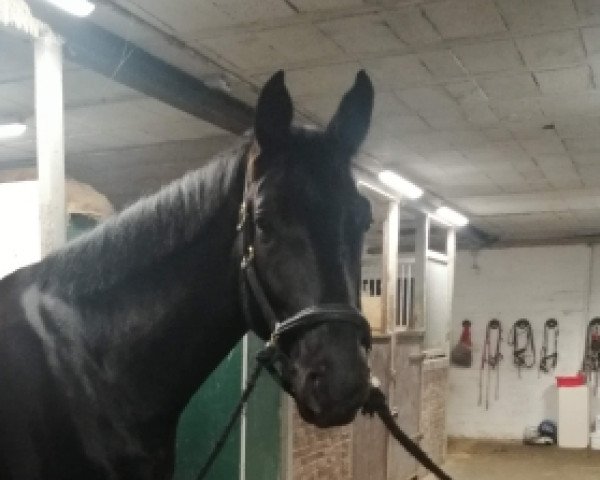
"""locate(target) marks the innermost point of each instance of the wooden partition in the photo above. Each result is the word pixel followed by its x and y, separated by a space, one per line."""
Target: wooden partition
pixel 376 455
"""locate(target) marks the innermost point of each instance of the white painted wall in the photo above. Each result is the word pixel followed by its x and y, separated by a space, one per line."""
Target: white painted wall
pixel 536 283
pixel 19 225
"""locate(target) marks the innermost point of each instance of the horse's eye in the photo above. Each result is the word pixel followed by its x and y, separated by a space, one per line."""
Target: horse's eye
pixel 361 222
pixel 364 215
pixel 346 252
pixel 366 223
pixel 264 226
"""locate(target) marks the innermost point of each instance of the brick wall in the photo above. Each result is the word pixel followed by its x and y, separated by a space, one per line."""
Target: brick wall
pixel 321 454
pixel 434 398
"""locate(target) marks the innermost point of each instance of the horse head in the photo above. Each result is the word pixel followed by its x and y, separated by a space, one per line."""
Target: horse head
pixel 306 226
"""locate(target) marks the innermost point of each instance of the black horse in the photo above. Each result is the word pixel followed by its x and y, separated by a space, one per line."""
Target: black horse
pixel 103 342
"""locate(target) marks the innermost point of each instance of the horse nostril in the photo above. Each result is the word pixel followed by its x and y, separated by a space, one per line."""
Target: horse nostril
pixel 315 377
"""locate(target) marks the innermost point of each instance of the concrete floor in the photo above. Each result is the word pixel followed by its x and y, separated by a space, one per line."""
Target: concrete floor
pixel 468 460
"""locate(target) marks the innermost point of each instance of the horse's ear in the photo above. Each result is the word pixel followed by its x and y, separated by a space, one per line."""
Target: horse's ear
pixel 350 124
pixel 274 113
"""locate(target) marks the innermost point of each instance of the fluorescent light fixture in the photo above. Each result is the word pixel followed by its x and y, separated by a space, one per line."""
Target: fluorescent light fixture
pixel 12 130
pixel 79 8
pixel 451 216
pixel 375 189
pixel 400 184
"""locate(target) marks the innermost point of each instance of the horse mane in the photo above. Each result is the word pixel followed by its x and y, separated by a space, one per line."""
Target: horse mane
pixel 147 231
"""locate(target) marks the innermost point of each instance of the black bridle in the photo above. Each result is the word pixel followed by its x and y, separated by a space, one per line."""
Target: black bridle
pixel 548 361
pixel 521 339
pixel 252 290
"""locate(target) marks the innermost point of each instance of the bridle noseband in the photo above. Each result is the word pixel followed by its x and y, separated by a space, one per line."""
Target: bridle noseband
pixel 253 291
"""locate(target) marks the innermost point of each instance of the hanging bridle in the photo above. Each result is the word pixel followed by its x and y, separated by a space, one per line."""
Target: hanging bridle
pixel 520 337
pixel 548 354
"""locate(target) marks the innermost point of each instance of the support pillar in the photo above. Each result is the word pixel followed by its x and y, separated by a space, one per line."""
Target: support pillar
pixel 420 272
pixel 50 141
pixel 389 289
pixel 451 253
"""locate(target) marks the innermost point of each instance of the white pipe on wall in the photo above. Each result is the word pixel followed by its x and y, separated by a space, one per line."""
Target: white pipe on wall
pixel 50 140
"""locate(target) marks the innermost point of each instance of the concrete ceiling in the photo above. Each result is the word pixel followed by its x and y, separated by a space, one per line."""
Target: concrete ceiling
pixel 124 143
pixel 490 104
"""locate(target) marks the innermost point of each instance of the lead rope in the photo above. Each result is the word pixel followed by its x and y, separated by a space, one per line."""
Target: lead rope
pixel 376 403
pixel 237 411
pixel 264 360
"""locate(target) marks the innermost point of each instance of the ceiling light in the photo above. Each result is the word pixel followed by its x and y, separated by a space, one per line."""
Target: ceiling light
pixel 375 189
pixel 401 185
pixel 79 8
pixel 12 130
pixel 451 216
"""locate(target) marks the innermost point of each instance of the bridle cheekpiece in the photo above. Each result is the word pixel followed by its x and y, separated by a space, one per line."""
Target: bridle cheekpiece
pixel 252 290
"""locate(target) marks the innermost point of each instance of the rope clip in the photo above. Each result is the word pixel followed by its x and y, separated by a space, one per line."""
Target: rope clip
pixel 247 258
pixel 242 216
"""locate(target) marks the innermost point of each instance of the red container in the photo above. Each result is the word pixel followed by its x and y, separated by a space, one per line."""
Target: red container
pixel 570 381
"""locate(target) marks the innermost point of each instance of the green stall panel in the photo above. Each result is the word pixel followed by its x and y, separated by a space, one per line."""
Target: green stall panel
pixel 207 413
pixel 204 419
pixel 78 224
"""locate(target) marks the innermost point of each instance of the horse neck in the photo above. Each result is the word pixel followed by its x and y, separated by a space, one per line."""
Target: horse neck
pixel 173 321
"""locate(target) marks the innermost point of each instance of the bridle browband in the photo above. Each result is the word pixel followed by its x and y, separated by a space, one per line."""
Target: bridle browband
pixel 253 291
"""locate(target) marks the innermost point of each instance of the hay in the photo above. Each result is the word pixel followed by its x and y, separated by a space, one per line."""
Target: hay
pixel 82 199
